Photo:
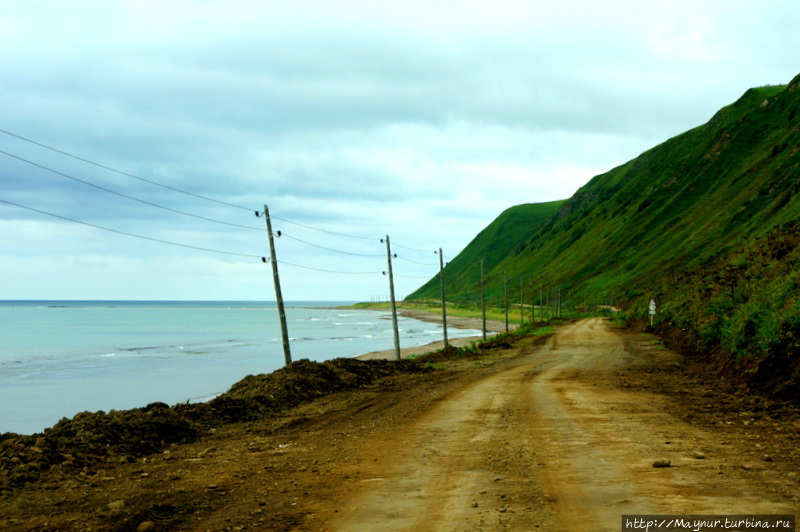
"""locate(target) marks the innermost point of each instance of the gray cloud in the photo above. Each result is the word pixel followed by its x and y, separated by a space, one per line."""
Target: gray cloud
pixel 420 120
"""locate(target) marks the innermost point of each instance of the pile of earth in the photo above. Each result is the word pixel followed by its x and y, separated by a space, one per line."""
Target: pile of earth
pixel 92 440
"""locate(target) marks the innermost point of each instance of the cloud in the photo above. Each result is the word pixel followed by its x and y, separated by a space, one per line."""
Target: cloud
pixel 416 119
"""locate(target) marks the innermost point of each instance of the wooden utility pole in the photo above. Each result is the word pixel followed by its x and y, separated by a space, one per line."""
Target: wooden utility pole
pixel 505 297
pixel 541 303
pixel 483 303
pixel 444 301
pixel 558 300
pixel 533 303
pixel 278 296
pixel 394 304
pixel 547 304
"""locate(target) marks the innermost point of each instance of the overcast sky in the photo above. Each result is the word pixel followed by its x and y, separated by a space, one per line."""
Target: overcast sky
pixel 423 120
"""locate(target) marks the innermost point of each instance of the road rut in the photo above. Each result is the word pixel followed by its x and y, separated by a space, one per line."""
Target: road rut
pixel 554 442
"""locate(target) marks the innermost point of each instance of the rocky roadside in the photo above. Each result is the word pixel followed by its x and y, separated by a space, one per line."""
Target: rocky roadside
pixel 281 451
pixel 158 467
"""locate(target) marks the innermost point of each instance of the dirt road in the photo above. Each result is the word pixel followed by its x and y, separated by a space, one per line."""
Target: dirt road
pixel 558 434
pixel 553 442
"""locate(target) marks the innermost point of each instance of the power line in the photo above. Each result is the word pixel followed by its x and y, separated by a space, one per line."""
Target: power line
pixel 117 231
pixel 416 262
pixel 126 174
pixel 327 271
pixel 326 248
pixel 110 191
pixel 413 276
pixel 174 189
pixel 411 249
pixel 162 185
pixel 323 230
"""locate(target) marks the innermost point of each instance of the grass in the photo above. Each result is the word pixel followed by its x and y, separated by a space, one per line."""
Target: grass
pixel 677 205
pixel 705 223
pixel 461 311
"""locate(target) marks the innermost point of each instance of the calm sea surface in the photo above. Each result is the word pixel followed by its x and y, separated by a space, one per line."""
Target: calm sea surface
pixel 58 358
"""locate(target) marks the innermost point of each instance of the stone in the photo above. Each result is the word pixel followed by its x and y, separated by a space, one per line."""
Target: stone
pixel 662 462
pixel 698 455
pixel 146 526
pixel 116 505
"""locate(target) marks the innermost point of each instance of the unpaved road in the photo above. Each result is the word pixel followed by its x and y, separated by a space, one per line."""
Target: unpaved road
pixel 556 435
pixel 552 443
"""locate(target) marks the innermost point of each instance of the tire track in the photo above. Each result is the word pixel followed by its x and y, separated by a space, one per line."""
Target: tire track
pixel 551 443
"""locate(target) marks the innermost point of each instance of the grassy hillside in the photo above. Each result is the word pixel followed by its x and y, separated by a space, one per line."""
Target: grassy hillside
pixel 705 223
pixel 501 239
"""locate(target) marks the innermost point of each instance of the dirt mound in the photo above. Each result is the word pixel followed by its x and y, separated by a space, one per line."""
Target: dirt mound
pixel 499 342
pixel 89 440
pixel 448 353
pixel 257 396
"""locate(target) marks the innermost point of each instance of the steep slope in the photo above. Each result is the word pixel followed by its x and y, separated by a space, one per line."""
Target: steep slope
pixel 500 239
pixel 695 197
pixel 691 222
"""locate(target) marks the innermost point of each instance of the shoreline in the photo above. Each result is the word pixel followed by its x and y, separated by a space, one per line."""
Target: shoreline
pixel 456 322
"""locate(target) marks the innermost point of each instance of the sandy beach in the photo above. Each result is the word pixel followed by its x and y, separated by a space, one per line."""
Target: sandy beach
pixel 452 322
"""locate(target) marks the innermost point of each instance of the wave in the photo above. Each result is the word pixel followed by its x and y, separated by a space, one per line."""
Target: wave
pixel 192 346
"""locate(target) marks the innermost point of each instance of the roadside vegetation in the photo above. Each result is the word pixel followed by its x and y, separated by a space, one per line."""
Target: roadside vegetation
pixel 530 316
pixel 706 224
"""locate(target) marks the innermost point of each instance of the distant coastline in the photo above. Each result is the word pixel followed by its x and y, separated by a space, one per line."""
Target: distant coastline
pixel 172 302
pixel 457 322
pixel 61 357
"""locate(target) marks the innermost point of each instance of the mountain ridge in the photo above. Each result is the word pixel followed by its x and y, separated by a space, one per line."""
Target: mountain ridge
pixel 693 215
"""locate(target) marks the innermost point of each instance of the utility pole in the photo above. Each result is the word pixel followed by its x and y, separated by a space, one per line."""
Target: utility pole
pixel 541 301
pixel 394 305
pixel 483 302
pixel 547 303
pixel 558 299
pixel 533 303
pixel 505 297
pixel 278 296
pixel 444 301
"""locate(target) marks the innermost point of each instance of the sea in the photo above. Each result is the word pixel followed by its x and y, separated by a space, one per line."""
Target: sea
pixel 59 358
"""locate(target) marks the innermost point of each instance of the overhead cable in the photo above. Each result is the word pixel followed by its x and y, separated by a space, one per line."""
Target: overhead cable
pixel 162 185
pixel 117 231
pixel 120 172
pixel 327 271
pixel 329 249
pixel 169 187
pixel 188 246
pixel 416 262
pixel 322 230
pixel 413 276
pixel 394 244
pixel 110 191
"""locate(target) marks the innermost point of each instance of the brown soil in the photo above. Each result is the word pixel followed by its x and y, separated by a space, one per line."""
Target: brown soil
pixel 550 433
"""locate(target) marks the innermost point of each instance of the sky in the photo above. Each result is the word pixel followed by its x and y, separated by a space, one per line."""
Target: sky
pixel 139 138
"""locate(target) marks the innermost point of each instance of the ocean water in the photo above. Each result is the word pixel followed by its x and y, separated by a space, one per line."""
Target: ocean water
pixel 59 358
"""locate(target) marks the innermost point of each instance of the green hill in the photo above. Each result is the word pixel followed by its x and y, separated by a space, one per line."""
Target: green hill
pixel 705 223
pixel 501 239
